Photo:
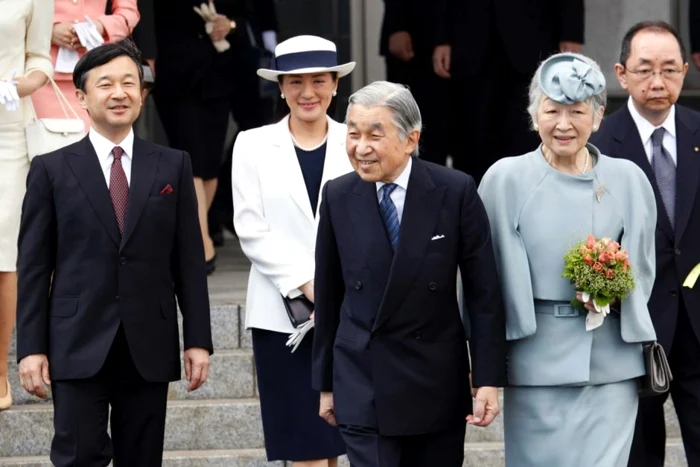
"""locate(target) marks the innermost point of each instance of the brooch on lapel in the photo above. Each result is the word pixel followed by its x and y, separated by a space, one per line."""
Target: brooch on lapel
pixel 599 192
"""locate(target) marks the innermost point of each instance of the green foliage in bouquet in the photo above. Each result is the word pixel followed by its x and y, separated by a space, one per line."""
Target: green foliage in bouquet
pixel 600 268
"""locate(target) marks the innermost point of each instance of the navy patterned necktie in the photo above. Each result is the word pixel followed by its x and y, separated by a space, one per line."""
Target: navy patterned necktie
pixel 119 188
pixel 389 214
pixel 664 172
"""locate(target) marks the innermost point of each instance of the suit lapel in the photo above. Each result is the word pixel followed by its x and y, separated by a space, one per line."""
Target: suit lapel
pixel 629 146
pixel 687 172
pixel 85 165
pixel 363 207
pixel 336 158
pixel 287 160
pixel 420 214
pixel 144 164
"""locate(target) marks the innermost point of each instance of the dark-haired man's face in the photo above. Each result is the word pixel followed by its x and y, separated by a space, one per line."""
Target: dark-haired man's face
pixel 112 94
pixel 654 72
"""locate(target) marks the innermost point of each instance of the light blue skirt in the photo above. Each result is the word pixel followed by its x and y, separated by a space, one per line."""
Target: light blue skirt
pixel 586 426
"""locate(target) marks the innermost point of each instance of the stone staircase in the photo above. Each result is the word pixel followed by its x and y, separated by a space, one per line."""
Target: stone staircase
pixel 219 425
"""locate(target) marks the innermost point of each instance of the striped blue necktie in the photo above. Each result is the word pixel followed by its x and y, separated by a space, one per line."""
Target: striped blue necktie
pixel 664 172
pixel 389 214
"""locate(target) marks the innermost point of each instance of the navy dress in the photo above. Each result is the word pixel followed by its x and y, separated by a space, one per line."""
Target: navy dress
pixel 293 429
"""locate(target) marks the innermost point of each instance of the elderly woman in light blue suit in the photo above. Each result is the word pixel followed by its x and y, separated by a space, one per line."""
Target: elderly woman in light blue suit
pixel 572 399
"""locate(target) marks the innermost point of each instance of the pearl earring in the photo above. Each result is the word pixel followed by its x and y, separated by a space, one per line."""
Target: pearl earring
pixel 535 127
pixel 282 95
pixel 335 93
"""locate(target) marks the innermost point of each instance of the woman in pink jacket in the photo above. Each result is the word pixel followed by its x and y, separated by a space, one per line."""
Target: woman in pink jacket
pixel 112 27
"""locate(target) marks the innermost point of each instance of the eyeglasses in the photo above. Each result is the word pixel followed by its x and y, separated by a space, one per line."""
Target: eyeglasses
pixel 666 73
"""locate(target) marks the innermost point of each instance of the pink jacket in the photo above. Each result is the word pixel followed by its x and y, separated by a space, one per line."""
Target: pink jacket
pixel 118 25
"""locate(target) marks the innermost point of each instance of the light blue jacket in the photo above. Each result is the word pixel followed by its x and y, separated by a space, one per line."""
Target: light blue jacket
pixel 536 214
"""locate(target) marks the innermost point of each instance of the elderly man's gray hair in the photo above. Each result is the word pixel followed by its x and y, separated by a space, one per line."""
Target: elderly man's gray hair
pixel 397 98
pixel 596 101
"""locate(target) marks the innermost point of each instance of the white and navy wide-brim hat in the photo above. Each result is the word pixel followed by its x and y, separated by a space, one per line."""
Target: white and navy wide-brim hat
pixel 305 54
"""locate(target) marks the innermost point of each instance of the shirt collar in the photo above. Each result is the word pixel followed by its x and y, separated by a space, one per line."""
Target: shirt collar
pixel 646 128
pixel 401 180
pixel 103 146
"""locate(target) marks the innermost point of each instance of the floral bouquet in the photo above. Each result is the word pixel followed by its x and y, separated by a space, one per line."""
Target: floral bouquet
pixel 601 271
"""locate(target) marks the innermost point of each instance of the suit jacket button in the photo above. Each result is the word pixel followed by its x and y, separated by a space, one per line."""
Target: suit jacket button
pixel 375 335
pixel 358 285
pixel 416 335
pixel 674 293
pixel 117 297
pixel 432 286
pixel 678 252
pixel 122 260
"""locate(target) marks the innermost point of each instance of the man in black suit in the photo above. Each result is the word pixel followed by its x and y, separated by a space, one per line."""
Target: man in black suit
pixel 108 238
pixel 390 350
pixel 663 138
pixel 490 49
pixel 406 42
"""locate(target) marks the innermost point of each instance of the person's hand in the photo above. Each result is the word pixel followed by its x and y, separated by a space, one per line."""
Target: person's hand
pixel 441 60
pixel 221 27
pixel 568 46
pixel 64 35
pixel 401 45
pixel 308 290
pixel 196 367
pixel 34 374
pixel 589 304
pixel 696 60
pixel 99 26
pixel 485 407
pixel 326 408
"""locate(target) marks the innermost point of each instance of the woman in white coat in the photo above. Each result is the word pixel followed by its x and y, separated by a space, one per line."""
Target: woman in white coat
pixel 277 174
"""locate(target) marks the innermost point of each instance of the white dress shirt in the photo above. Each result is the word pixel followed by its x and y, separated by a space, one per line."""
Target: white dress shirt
pixel 398 196
pixel 103 149
pixel 645 129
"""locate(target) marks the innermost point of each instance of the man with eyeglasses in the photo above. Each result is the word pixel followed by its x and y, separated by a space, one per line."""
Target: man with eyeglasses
pixel 663 138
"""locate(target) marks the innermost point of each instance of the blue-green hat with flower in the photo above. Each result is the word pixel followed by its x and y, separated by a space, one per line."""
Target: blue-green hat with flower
pixel 566 79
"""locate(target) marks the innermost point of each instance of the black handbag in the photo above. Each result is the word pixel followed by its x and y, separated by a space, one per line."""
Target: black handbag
pixel 299 309
pixel 658 378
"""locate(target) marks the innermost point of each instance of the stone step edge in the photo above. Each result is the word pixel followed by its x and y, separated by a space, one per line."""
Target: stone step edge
pixel 171 403
pixel 496 445
pixel 259 452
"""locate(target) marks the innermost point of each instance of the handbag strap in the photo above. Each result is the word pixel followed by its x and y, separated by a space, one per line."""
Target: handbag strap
pixel 62 101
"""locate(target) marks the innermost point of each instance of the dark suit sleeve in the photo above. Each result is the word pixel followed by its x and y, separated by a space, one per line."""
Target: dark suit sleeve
pixel 145 32
pixel 328 291
pixel 36 262
pixel 394 16
pixel 188 265
pixel 441 24
pixel 573 20
pixel 694 25
pixel 482 293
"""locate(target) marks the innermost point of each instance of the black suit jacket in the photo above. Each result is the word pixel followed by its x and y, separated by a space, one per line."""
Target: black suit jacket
pixel 414 17
pixel 187 60
pixel 677 250
pixel 530 30
pixel 78 279
pixel 389 340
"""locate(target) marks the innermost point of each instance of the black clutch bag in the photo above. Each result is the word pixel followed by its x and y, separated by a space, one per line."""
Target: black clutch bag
pixel 299 309
pixel 658 378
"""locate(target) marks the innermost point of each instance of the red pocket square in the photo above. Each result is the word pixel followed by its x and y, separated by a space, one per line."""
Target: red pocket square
pixel 167 190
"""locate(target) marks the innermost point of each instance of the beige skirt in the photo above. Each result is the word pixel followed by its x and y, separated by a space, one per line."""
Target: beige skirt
pixel 14 166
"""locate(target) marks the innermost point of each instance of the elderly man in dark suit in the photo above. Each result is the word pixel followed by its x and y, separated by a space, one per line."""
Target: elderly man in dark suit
pixel 663 138
pixel 490 49
pixel 108 239
pixel 390 350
